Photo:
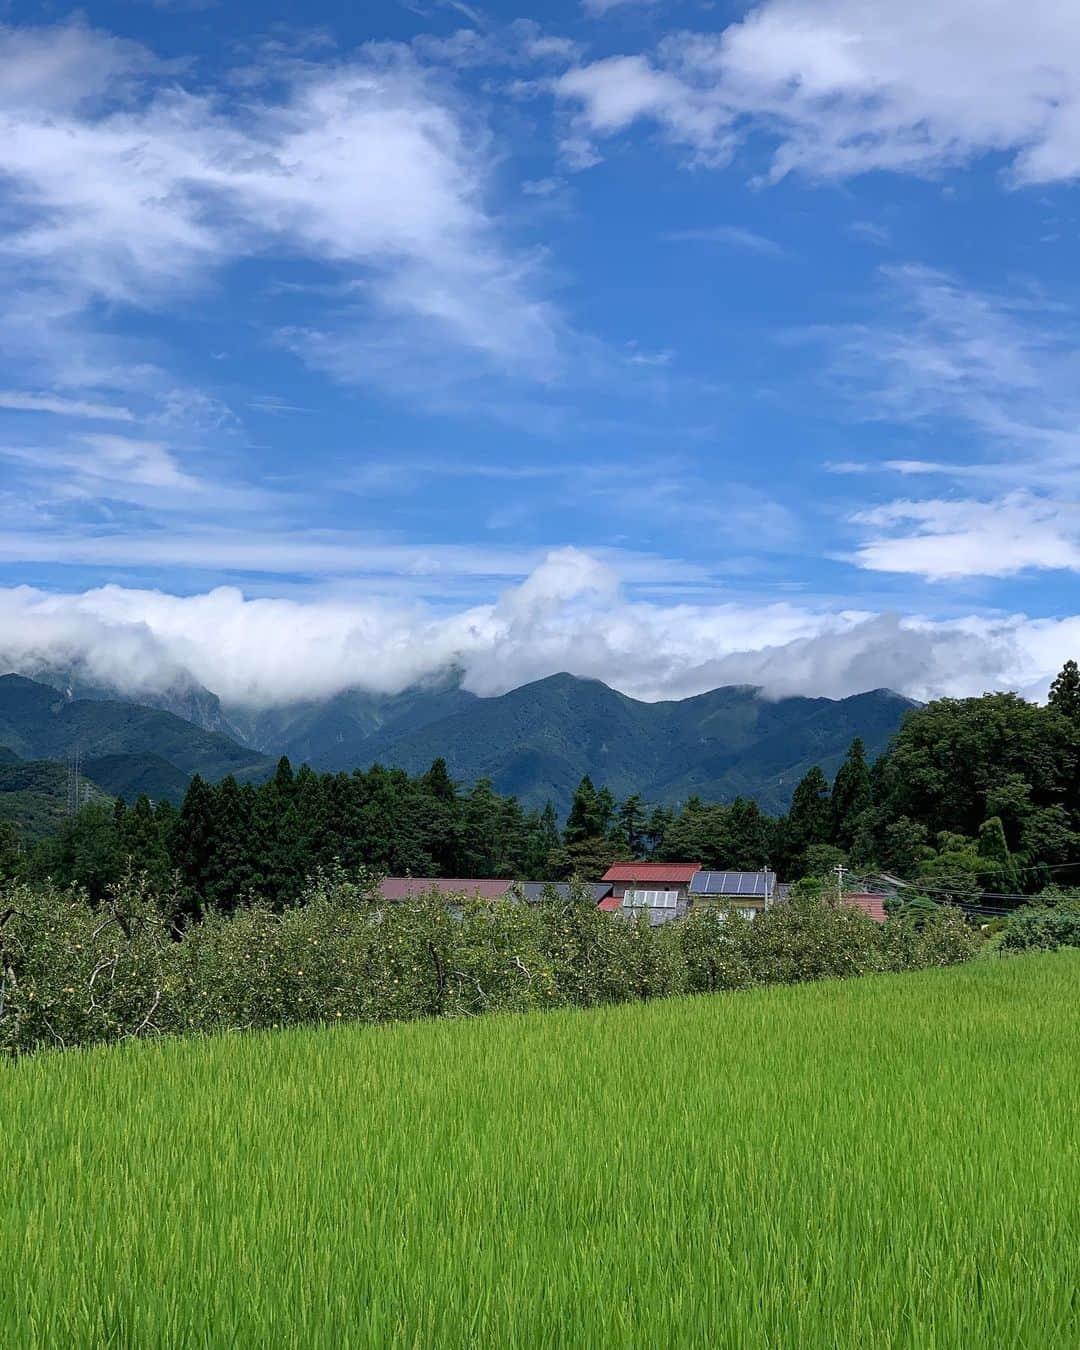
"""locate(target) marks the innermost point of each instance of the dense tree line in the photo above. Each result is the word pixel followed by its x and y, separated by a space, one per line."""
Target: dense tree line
pixel 976 794
pixel 972 794
pixel 229 841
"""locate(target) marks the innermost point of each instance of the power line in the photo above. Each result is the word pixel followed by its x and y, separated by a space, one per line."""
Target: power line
pixel 996 871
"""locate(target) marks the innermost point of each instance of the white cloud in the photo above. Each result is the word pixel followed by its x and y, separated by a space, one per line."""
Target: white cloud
pixel 871 232
pixel 144 463
pixel 125 188
pixel 280 551
pixel 616 91
pixel 848 86
pixel 541 187
pixel 989 379
pixel 571 614
pixel 59 68
pixel 598 8
pixel 522 42
pixel 17 401
pixel 101 467
pixel 943 540
pixel 733 236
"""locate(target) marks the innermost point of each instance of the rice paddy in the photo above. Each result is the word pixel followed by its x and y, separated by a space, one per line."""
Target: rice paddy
pixel 887 1161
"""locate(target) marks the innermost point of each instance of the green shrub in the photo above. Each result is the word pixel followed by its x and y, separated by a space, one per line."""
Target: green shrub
pixel 1043 929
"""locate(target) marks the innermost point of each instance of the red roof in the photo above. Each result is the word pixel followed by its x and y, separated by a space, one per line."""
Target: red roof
pixel 870 903
pixel 612 902
pixel 404 888
pixel 677 874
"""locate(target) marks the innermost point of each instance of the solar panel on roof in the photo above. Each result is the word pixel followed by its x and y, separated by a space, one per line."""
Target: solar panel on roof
pixel 731 883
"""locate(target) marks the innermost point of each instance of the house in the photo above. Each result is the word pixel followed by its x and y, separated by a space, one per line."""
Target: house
pixel 409 888
pixel 534 891
pixel 660 890
pixel 749 892
pixel 395 889
pixel 871 903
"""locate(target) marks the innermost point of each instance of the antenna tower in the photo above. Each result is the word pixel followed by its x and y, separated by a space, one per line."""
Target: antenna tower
pixel 74 784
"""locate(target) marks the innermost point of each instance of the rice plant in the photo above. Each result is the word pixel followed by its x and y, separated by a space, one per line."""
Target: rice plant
pixel 887 1161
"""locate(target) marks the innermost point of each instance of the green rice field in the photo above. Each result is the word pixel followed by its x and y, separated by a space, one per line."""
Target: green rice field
pixel 888 1161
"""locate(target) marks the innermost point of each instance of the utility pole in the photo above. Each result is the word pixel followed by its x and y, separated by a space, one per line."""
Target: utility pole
pixel 840 871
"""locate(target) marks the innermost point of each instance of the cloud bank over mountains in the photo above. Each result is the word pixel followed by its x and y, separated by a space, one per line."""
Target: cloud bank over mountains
pixel 569 614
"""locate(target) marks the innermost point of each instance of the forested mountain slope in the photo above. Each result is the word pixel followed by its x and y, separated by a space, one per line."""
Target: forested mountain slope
pixel 536 741
pixel 38 722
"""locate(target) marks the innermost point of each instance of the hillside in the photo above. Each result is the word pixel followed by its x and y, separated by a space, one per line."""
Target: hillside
pixel 538 741
pixel 185 697
pixel 38 722
pixel 129 776
pixel 330 734
pixel 34 796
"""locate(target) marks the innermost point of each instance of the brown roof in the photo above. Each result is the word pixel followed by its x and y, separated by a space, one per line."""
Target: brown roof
pixel 405 888
pixel 677 874
pixel 869 902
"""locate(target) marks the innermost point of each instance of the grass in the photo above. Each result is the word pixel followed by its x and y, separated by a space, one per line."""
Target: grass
pixel 889 1161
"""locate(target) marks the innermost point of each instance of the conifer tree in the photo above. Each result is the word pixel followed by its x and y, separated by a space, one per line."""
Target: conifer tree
pixel 660 821
pixel 481 831
pixel 143 843
pixel 283 778
pixel 438 782
pixel 632 825
pixel 196 841
pixel 585 818
pixel 232 875
pixel 1065 692
pixel 545 841
pixel 809 821
pixel 808 818
pixel 748 842
pixel 1000 869
pixel 851 795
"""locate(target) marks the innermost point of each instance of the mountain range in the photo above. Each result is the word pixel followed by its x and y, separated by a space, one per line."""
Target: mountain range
pixel 535 741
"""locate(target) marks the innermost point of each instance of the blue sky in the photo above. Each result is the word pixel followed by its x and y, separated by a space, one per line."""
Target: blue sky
pixel 674 344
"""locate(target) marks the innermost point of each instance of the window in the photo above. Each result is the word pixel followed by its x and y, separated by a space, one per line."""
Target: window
pixel 650 899
pixel 720 907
